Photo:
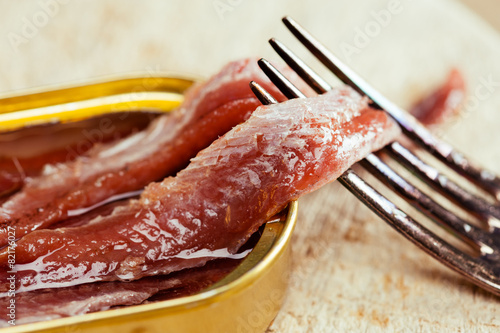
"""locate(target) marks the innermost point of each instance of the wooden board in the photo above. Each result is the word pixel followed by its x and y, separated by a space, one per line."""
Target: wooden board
pixel 351 271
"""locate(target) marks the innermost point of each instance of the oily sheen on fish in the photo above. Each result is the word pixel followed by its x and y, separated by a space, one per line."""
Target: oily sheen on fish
pixel 209 209
pixel 165 147
pixel 47 304
pixel 25 152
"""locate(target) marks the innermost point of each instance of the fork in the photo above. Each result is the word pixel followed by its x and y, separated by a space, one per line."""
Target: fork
pixel 482 269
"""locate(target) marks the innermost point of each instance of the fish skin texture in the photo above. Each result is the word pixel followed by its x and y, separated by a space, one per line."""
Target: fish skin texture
pixel 209 209
pixel 165 147
pixel 48 304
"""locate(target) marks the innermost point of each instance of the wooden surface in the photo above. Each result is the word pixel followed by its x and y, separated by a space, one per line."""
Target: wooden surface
pixel 488 9
pixel 351 271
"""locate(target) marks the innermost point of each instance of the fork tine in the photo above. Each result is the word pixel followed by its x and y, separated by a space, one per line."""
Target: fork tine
pixel 458 227
pixel 418 133
pixel 473 269
pixel 305 72
pixel 285 86
pixel 473 204
pixel 430 175
pixel 262 94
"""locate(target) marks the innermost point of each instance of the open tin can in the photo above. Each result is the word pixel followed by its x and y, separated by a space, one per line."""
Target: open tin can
pixel 246 300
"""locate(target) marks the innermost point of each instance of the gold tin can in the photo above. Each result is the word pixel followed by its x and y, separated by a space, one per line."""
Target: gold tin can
pixel 246 300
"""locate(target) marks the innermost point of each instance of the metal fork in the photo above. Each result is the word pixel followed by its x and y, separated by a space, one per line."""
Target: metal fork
pixel 483 269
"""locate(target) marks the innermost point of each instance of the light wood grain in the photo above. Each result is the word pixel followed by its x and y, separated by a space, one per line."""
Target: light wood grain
pixel 351 272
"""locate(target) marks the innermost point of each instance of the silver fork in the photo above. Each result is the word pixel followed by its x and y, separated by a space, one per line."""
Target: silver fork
pixel 483 269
